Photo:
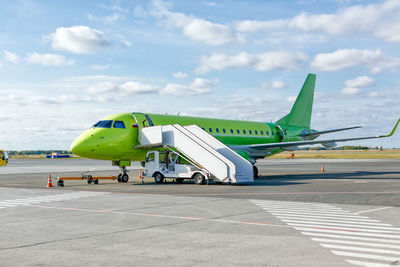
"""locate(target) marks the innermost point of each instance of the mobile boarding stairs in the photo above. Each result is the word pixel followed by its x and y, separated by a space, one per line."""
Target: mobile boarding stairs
pixel 206 152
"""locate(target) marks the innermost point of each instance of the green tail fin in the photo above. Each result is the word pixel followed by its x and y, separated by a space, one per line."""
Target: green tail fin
pixel 300 114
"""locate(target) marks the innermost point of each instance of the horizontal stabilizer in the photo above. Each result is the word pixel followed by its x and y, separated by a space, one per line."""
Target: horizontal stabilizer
pixel 318 133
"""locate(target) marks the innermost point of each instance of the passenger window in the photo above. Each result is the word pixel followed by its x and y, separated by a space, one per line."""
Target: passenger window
pixel 203 129
pixel 250 131
pixel 119 124
pixel 272 132
pixel 244 131
pixel 261 132
pixel 162 157
pixel 238 131
pixel 224 130
pixel 255 131
pixel 150 157
pixel 267 133
pixel 217 130
pixel 210 130
pixel 231 131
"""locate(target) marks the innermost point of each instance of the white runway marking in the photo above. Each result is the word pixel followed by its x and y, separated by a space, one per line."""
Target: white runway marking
pixel 365 211
pixel 48 198
pixel 346 233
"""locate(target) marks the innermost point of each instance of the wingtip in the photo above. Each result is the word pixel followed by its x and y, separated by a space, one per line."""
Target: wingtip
pixel 394 129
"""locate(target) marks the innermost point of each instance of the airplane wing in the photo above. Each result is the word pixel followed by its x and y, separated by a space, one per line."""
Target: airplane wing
pixel 327 143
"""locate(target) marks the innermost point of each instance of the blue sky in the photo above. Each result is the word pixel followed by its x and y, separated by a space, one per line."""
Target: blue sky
pixel 66 64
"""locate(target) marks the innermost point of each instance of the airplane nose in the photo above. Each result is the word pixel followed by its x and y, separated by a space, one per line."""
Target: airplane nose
pixel 76 147
pixel 81 145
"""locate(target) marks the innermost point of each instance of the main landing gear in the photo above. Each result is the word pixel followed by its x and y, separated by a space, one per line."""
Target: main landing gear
pixel 123 176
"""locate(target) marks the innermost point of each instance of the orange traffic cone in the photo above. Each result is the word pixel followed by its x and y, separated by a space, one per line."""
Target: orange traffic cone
pixel 49 183
pixel 323 169
pixel 140 175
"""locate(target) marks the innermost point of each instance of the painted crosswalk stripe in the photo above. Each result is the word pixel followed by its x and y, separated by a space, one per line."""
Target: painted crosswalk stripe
pixel 345 225
pixel 47 198
pixel 333 221
pixel 323 217
pixel 345 233
pixel 373 250
pixel 320 226
pixel 353 237
pixel 313 211
pixel 368 264
pixel 365 256
pixel 321 214
pixel 355 243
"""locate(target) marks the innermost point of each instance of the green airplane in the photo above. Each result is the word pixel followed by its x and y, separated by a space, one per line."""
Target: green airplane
pixel 117 137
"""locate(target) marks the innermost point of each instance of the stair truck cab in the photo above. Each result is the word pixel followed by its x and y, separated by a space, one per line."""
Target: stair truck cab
pixel 3 158
pixel 170 164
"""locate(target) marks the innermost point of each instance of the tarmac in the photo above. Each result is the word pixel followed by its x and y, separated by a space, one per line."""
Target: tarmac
pixel 293 215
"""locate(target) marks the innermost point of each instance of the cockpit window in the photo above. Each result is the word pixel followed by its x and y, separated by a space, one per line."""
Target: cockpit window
pixel 103 124
pixel 119 124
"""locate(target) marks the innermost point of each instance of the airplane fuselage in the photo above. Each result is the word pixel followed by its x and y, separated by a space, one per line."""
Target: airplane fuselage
pixel 109 141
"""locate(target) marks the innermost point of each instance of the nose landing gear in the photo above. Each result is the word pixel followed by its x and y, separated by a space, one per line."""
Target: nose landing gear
pixel 123 176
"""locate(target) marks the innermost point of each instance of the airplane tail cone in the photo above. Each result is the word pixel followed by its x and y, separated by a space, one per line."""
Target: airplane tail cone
pixel 49 183
pixel 323 169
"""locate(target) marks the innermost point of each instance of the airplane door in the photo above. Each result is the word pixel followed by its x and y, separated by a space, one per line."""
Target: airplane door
pixel 142 121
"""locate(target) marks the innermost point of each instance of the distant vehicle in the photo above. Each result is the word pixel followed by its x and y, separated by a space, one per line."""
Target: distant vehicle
pixel 168 164
pixel 57 156
pixel 3 158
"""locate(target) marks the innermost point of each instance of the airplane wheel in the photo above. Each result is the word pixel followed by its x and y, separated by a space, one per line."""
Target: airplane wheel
pixel 255 171
pixel 90 180
pixel 96 181
pixel 179 180
pixel 159 178
pixel 199 178
pixel 119 178
pixel 124 178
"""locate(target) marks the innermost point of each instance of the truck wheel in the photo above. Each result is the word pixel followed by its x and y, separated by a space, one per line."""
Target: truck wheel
pixel 124 178
pixel 159 178
pixel 255 171
pixel 89 181
pixel 199 178
pixel 96 181
pixel 179 180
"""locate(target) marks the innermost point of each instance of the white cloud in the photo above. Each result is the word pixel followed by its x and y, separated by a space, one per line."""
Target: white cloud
pixel 349 91
pixel 194 28
pixel 48 59
pixel 291 99
pixel 282 60
pixel 278 85
pixel 11 57
pixel 127 88
pixel 100 67
pixel 78 39
pixel 379 19
pixel 180 75
pixel 346 58
pixel 115 7
pixel 199 86
pixel 361 81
